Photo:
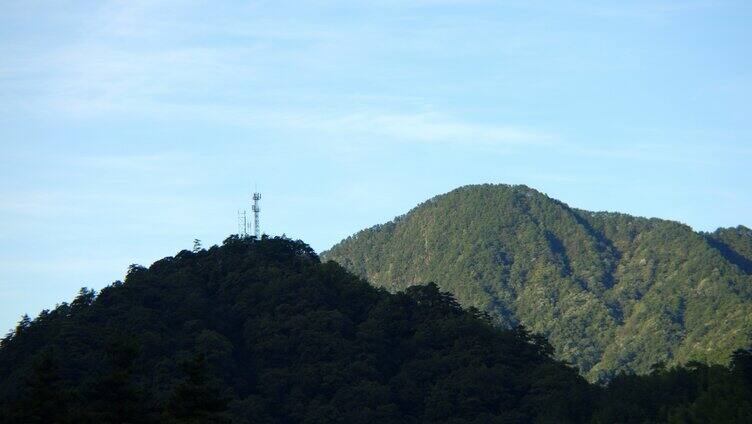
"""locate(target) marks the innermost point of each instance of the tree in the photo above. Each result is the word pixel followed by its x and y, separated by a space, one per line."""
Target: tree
pixel 44 398
pixel 114 397
pixel 197 399
pixel 741 365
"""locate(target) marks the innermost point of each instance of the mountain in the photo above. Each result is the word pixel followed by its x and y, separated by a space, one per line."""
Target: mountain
pixel 610 291
pixel 260 331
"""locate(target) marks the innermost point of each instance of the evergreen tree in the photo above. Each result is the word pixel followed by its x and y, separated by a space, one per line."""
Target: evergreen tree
pixel 197 398
pixel 44 398
pixel 113 396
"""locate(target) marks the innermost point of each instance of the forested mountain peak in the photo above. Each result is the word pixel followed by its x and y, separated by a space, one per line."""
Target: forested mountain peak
pixel 611 291
pixel 260 331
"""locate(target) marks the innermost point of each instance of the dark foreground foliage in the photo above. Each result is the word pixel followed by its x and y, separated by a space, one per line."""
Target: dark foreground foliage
pixel 694 393
pixel 262 332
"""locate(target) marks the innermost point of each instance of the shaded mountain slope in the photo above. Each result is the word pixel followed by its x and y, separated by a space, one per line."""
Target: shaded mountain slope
pixel 610 291
pixel 262 332
pixel 735 244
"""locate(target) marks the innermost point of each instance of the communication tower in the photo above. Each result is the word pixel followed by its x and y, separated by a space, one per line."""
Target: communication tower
pixel 242 224
pixel 256 209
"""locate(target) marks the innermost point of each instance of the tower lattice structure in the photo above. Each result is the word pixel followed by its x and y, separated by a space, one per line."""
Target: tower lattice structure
pixel 256 210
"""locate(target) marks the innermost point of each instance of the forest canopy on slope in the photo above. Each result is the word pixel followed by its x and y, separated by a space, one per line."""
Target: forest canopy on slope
pixel 263 332
pixel 610 291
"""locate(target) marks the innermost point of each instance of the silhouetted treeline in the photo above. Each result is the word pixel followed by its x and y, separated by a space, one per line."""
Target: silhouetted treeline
pixel 262 331
pixel 693 393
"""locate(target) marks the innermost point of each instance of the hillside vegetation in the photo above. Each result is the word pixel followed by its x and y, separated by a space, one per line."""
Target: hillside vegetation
pixel 262 332
pixel 610 291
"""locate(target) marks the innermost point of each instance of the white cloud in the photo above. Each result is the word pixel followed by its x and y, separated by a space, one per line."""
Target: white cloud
pixel 150 60
pixel 419 127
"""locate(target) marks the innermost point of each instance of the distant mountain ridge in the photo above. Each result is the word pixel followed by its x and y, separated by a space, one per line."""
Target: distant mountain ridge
pixel 610 291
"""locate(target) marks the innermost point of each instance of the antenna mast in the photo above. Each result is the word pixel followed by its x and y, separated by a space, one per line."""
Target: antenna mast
pixel 242 224
pixel 256 209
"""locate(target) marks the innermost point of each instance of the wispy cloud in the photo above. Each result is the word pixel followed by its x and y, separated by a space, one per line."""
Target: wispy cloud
pixel 420 128
pixel 642 9
pixel 154 59
pixel 160 163
pixel 427 127
pixel 142 58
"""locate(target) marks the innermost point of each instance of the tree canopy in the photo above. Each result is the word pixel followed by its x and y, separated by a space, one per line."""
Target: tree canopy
pixel 611 292
pixel 261 331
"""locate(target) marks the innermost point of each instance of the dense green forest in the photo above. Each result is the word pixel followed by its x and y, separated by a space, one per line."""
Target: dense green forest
pixel 263 332
pixel 610 291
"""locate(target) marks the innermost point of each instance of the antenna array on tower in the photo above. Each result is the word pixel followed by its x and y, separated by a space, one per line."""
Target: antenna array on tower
pixel 244 226
pixel 256 209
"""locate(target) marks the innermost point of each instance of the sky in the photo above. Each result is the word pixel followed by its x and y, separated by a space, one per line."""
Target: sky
pixel 129 128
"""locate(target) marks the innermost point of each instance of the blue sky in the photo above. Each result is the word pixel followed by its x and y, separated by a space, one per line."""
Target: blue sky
pixel 129 128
